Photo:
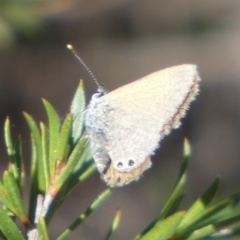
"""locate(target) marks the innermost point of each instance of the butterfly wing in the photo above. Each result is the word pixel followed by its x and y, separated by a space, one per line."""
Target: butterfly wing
pixel 146 110
pixel 131 120
pixel 160 94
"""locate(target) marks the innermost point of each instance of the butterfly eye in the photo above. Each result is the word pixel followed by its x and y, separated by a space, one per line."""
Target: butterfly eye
pixel 120 164
pixel 130 162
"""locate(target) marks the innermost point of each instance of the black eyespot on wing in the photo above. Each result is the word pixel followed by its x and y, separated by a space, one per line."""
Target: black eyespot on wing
pixel 131 162
pixel 120 164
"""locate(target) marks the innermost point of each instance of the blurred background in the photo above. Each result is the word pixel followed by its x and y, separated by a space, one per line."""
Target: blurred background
pixel 121 41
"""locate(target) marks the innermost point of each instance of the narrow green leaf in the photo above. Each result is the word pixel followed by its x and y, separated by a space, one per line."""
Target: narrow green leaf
pixel 15 197
pixel 37 155
pixel 187 230
pixel 64 138
pixel 202 233
pixel 60 187
pixel 86 158
pixel 90 170
pixel 187 152
pixel 8 227
pixel 84 216
pixel 200 205
pixel 164 229
pixel 81 177
pixel 82 165
pixel 228 221
pixel 34 181
pixel 19 161
pixel 226 233
pixel 77 107
pixel 45 153
pixel 54 127
pixel 115 224
pixel 222 215
pixel 4 198
pixel 181 181
pixel 217 229
pixel 73 181
pixel 222 219
pixel 11 150
pixel 72 161
pixel 42 228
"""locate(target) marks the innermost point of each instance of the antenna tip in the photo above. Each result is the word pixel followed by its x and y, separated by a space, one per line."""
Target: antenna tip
pixel 69 46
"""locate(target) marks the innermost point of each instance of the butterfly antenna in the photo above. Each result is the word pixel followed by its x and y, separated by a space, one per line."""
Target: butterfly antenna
pixel 75 53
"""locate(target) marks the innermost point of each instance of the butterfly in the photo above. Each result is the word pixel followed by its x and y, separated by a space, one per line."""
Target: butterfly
pixel 126 126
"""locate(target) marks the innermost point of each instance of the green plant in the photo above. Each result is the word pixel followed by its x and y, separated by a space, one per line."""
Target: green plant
pixel 61 159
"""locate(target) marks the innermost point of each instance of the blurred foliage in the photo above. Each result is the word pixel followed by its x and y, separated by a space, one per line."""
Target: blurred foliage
pixel 25 19
pixel 18 18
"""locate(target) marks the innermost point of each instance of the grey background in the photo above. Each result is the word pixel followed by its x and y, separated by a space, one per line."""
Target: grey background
pixel 122 41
